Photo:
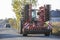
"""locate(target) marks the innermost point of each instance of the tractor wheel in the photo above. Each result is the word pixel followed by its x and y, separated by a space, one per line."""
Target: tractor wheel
pixel 47 34
pixel 24 34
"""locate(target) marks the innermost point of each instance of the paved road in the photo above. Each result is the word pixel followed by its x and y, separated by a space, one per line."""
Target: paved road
pixel 11 34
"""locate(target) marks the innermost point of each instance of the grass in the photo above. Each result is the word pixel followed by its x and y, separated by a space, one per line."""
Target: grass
pixel 56 28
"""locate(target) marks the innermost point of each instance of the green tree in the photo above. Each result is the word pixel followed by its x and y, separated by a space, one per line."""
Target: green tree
pixel 18 6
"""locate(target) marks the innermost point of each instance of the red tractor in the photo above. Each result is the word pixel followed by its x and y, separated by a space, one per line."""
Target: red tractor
pixel 33 21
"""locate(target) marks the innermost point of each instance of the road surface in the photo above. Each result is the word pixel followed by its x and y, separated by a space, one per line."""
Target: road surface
pixel 11 34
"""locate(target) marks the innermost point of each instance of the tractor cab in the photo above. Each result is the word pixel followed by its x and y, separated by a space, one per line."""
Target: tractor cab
pixel 34 21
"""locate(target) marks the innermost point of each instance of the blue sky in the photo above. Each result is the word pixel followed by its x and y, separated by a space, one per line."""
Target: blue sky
pixel 7 12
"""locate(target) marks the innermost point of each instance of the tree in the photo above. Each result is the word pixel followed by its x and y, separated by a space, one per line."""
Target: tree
pixel 18 6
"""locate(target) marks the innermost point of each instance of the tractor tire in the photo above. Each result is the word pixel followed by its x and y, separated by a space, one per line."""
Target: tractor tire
pixel 47 34
pixel 24 34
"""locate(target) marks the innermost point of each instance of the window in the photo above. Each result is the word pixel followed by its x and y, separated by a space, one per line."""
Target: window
pixel 33 13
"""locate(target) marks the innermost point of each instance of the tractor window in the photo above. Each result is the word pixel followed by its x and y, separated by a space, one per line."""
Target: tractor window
pixel 33 14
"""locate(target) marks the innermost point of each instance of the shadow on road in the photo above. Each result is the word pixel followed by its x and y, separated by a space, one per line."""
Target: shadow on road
pixel 15 36
pixel 51 36
pixel 8 36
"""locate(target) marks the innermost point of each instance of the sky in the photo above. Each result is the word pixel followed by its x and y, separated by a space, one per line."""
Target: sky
pixel 7 12
pixel 54 3
pixel 6 9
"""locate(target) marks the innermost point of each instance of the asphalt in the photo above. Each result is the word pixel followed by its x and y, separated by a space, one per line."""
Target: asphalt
pixel 11 34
